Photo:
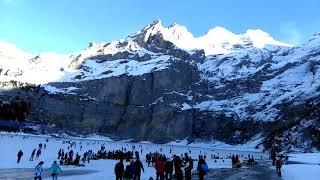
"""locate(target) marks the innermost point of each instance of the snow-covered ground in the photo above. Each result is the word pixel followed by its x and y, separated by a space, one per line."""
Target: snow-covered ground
pixel 308 169
pixel 11 143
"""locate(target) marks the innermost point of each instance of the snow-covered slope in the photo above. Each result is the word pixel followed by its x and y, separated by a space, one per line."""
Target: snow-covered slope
pixel 281 83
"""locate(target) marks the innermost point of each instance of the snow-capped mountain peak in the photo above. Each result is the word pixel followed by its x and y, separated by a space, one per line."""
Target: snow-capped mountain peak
pixel 218 40
pixel 152 29
pixel 179 32
pixel 260 38
pixel 220 34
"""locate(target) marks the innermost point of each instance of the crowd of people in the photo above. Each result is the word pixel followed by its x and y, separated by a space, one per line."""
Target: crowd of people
pixel 176 167
pixel 236 162
pixel 129 166
pixel 35 154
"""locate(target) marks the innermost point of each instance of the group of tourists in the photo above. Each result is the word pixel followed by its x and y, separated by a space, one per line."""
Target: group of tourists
pixel 115 154
pixel 129 166
pixel 68 158
pixel 132 170
pixel 236 162
pixel 176 167
pixel 35 154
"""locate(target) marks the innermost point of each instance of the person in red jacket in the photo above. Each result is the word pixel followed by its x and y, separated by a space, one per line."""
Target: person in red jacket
pixel 278 166
pixel 160 168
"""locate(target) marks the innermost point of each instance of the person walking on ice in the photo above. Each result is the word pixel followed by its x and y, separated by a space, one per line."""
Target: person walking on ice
pixel 278 166
pixel 20 154
pixel 119 170
pixel 202 168
pixel 138 167
pixel 38 154
pixel 55 170
pixel 32 154
pixel 38 171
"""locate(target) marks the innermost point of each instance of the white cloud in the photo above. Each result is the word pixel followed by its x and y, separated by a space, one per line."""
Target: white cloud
pixel 291 33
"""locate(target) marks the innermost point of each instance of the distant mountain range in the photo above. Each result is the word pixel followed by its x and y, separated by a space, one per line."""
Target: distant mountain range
pixel 164 84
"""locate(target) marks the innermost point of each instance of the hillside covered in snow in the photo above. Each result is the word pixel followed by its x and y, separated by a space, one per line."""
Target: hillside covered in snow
pixel 163 83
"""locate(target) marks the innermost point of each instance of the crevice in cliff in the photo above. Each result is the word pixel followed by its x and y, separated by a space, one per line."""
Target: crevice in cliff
pixel 150 107
pixel 126 103
pixel 194 133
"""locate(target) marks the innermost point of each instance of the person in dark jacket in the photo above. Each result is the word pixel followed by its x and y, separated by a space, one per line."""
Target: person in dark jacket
pixel 128 173
pixel 32 154
pixel 202 168
pixel 177 162
pixel 59 153
pixel 138 167
pixel 119 170
pixel 20 154
pixel 148 159
pixel 38 153
pixel 188 168
pixel 168 169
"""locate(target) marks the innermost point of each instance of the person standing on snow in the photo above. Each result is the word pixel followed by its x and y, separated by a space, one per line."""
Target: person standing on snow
pixel 38 171
pixel 20 154
pixel 138 166
pixel 32 154
pixel 177 162
pixel 168 169
pixel 278 166
pixel 119 170
pixel 188 168
pixel 128 173
pixel 55 170
pixel 202 168
pixel 59 153
pixel 160 168
pixel 38 153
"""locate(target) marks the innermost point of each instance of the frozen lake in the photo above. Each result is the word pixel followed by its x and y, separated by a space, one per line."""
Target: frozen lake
pixel 11 143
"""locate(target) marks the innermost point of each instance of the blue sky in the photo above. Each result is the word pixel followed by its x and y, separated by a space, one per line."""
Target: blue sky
pixel 65 26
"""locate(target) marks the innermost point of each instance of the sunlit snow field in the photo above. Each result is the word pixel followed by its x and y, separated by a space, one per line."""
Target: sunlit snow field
pixel 10 144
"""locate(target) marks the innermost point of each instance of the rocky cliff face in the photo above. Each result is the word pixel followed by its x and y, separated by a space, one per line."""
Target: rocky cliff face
pixel 152 86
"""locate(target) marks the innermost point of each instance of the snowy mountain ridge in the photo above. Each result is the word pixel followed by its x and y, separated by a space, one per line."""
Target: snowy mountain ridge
pixel 63 67
pixel 217 41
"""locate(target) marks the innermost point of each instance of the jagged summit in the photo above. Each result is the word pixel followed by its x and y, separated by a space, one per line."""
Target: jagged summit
pixel 218 40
